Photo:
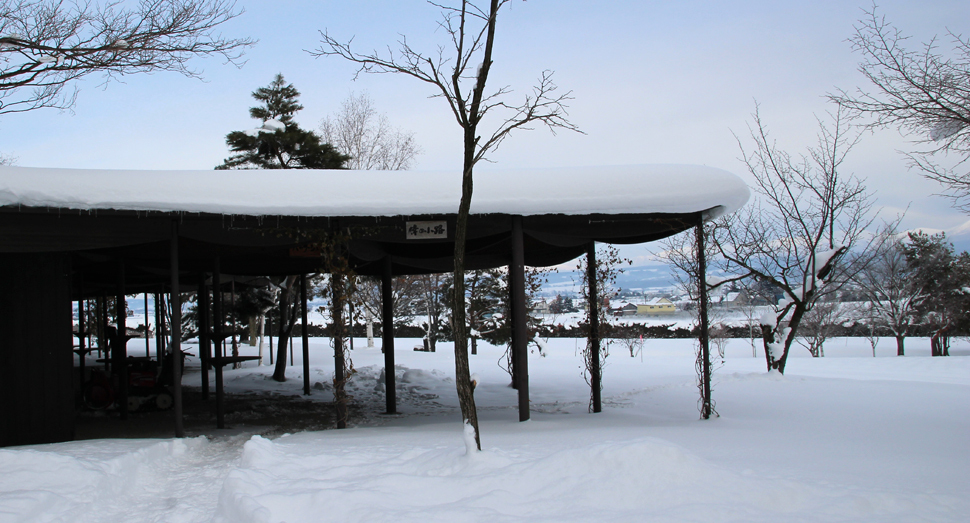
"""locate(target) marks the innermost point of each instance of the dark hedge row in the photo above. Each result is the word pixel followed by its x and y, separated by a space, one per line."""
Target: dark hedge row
pixel 633 330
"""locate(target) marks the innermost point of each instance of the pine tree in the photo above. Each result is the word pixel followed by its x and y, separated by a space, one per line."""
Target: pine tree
pixel 943 278
pixel 279 143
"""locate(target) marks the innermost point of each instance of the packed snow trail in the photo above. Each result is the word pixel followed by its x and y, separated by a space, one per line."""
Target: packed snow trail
pixel 117 480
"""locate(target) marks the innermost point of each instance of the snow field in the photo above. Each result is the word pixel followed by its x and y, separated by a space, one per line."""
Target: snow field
pixel 848 437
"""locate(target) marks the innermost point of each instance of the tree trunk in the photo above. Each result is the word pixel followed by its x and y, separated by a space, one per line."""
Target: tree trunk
pixel 339 378
pixel 432 340
pixel 469 123
pixel 940 343
pixel 768 337
pixel 899 345
pixel 287 319
pixel 463 382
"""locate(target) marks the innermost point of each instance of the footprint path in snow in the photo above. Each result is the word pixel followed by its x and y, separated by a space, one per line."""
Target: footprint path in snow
pixel 181 487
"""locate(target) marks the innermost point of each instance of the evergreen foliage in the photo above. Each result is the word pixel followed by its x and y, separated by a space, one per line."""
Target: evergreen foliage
pixel 280 143
pixel 943 277
pixel 486 294
pixel 562 305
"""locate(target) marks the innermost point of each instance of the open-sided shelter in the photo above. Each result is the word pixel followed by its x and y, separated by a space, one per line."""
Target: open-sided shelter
pixel 67 234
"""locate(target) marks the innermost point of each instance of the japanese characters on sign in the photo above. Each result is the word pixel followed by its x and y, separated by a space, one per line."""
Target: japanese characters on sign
pixel 427 230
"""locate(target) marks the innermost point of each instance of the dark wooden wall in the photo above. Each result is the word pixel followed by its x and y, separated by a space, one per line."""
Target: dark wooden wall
pixel 36 342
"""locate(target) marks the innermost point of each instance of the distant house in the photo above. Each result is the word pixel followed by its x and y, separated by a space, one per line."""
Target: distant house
pixel 541 306
pixel 625 309
pixel 737 299
pixel 657 306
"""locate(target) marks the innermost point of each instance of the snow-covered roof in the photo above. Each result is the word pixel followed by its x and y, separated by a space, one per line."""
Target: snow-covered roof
pixel 659 301
pixel 624 189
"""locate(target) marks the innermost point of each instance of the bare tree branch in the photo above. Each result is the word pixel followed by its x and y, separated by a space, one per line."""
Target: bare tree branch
pixel 450 70
pixel 366 136
pixel 47 44
pixel 921 92
pixel 808 217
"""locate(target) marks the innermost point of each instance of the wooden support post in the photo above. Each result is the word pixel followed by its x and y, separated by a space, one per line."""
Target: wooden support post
pixel 337 308
pixel 350 320
pixel 217 342
pixel 119 354
pixel 147 342
pixel 513 353
pixel 704 334
pixel 235 326
pixel 520 329
pixel 306 336
pixel 387 328
pixel 81 334
pixel 176 301
pixel 103 332
pixel 594 328
pixel 202 317
pixel 159 330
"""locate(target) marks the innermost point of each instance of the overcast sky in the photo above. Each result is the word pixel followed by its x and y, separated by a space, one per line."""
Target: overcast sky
pixel 652 81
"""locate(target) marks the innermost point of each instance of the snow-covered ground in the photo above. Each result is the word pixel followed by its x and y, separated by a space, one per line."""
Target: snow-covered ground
pixel 847 437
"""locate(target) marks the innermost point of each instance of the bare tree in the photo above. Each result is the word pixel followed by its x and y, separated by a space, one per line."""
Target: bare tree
pixel 720 335
pixel 431 288
pixel 608 265
pixel 458 73
pixel 923 93
pixel 359 131
pixel 818 325
pixel 808 217
pixel 893 295
pixel 369 141
pixel 405 291
pixel 681 253
pixel 750 310
pixel 289 307
pixel 47 44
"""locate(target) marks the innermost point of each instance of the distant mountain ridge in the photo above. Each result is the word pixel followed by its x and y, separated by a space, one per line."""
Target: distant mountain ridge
pixel 657 276
pixel 650 276
pixel 959 236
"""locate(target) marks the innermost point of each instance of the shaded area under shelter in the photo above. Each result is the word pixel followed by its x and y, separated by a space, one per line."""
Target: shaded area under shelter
pixel 73 234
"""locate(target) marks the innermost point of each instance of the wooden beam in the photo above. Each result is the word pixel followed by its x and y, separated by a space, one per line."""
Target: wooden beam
pixel 217 342
pixel 147 340
pixel 704 322
pixel 82 334
pixel 202 320
pixel 176 301
pixel 119 354
pixel 594 328
pixel 306 336
pixel 159 330
pixel 103 331
pixel 336 310
pixel 387 331
pixel 520 326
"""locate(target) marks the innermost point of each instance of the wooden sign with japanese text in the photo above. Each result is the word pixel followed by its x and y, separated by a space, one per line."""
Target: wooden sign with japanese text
pixel 437 230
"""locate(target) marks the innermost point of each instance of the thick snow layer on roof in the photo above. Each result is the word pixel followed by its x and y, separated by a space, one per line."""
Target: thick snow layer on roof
pixel 573 190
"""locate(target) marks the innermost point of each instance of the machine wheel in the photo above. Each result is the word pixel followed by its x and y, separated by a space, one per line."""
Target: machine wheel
pixel 98 396
pixel 163 401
